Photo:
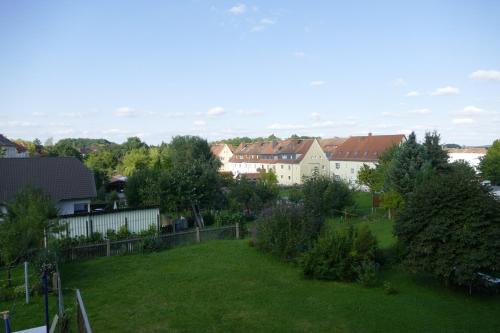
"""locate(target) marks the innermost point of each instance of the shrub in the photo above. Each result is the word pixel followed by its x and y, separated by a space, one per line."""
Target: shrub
pixel 152 244
pixel 324 196
pixel 450 227
pixel 149 232
pixel 389 289
pixel 123 233
pixel 225 217
pixel 287 231
pixel 344 254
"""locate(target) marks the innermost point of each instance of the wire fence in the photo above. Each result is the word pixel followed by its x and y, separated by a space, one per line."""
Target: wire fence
pixel 140 244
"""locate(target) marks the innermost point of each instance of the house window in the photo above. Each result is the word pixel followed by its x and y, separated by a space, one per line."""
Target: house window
pixel 81 208
pixel 282 166
pixel 337 177
pixel 337 166
pixel 281 176
pixel 352 170
pixel 289 167
pixel 316 169
pixel 289 178
pixel 323 167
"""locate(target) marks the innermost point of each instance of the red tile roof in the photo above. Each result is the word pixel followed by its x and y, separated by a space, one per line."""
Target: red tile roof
pixel 216 148
pixel 330 145
pixel 365 148
pixel 467 150
pixel 255 152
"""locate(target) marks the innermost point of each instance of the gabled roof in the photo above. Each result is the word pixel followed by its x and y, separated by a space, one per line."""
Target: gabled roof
pixel 365 148
pixel 274 149
pixel 329 145
pixel 467 150
pixel 4 142
pixel 62 178
pixel 217 148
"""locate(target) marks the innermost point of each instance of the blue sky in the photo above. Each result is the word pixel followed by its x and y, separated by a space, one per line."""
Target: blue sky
pixel 155 69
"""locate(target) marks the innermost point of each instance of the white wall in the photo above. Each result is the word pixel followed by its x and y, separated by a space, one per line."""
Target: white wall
pixel 67 207
pixel 224 156
pixel 348 170
pixel 12 152
pixel 472 159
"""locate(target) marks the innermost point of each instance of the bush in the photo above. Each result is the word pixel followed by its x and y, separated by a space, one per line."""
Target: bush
pixel 324 196
pixel 344 254
pixel 287 231
pixel 389 289
pixel 152 244
pixel 123 233
pixel 225 217
pixel 450 227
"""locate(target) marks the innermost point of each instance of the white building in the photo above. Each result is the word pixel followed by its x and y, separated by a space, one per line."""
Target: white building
pixel 349 157
pixel 65 180
pixel 291 160
pixel 11 149
pixel 224 152
pixel 470 155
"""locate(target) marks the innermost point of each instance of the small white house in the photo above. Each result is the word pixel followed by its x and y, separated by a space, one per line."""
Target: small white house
pixel 11 149
pixel 65 180
pixel 471 155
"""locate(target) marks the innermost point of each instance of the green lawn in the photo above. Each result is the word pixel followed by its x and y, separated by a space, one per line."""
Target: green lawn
pixel 228 286
pixel 381 228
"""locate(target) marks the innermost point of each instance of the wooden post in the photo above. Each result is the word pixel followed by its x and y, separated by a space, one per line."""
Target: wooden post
pixel 197 234
pixel 108 248
pixel 237 231
pixel 26 282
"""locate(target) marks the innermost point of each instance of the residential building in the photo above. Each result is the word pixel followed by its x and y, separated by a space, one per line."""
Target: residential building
pixel 224 152
pixel 471 155
pixel 65 180
pixel 349 157
pixel 330 145
pixel 11 149
pixel 290 160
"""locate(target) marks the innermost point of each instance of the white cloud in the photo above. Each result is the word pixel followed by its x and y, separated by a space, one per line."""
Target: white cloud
pixel 317 83
pixel 471 110
pixel 399 82
pixel 126 111
pixel 72 114
pixel 489 75
pixel 463 121
pixel 390 114
pixel 267 21
pixel 421 111
pixel 250 112
pixel 315 116
pixel 238 9
pixel 216 111
pixel 413 93
pixel 174 114
pixel 258 28
pixel 38 114
pixel 199 123
pixel 446 91
pixel 285 126
pixel 299 54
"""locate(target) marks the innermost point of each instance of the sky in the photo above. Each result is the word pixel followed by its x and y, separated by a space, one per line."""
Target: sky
pixel 219 69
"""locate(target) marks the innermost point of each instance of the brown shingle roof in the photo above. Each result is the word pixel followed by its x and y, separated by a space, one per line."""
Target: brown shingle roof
pixel 61 178
pixel 216 148
pixel 253 152
pixel 4 142
pixel 329 145
pixel 467 150
pixel 365 148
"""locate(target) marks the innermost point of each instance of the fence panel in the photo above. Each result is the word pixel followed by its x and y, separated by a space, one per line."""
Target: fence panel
pixel 136 245
pixel 84 225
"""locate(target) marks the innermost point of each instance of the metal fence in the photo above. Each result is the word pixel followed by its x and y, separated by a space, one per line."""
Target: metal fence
pixel 135 220
pixel 82 319
pixel 137 245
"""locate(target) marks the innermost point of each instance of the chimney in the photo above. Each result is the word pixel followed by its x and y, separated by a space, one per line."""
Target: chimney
pixel 370 134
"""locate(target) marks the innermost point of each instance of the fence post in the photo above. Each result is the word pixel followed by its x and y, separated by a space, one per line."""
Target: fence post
pixel 108 248
pixel 26 282
pixel 198 234
pixel 237 230
pixel 5 316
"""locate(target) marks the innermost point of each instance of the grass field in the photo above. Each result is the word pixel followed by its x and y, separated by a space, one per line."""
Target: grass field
pixel 228 286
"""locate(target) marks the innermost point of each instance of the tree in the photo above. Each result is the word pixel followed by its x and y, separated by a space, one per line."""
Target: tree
pixel 450 227
pixel 65 149
pixel 143 188
pixel 434 154
pixel 490 163
pixel 133 160
pixel 193 180
pixel 325 196
pixel 133 143
pixel 22 231
pixel 407 162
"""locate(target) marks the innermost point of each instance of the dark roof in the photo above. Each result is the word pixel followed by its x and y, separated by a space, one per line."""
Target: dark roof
pixel 4 142
pixel 62 178
pixel 365 148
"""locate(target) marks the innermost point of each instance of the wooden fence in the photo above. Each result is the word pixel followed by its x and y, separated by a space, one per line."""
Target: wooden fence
pixel 136 220
pixel 137 245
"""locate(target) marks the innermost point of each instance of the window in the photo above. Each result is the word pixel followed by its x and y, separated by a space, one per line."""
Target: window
pixel 316 169
pixel 352 170
pixel 289 167
pixel 337 166
pixel 289 178
pixel 282 166
pixel 281 176
pixel 80 208
pixel 323 167
pixel 337 177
